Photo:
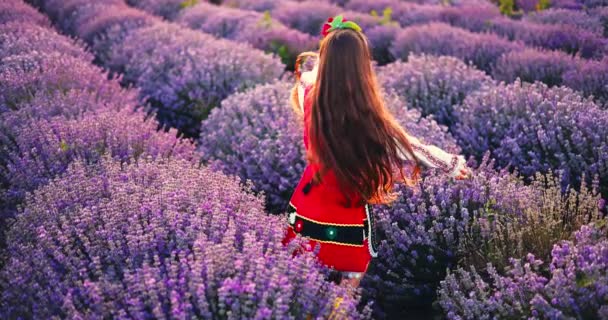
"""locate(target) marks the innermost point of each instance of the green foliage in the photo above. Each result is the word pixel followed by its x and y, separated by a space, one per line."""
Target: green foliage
pixel 188 3
pixel 386 18
pixel 281 50
pixel 507 7
pixel 543 4
pixel 266 20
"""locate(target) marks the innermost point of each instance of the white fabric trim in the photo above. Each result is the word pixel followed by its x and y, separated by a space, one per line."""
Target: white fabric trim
pixel 373 253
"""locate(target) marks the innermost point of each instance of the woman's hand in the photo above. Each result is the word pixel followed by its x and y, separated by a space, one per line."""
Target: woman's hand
pixel 464 173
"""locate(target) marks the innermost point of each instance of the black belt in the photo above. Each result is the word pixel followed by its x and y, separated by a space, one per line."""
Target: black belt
pixel 346 234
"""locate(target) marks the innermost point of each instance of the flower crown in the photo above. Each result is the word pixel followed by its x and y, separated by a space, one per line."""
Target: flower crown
pixel 338 22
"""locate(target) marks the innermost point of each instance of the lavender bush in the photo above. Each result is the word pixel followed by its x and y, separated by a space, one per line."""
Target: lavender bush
pixel 421 231
pixel 555 37
pixel 185 73
pixel 433 84
pixel 405 13
pixel 572 286
pixel 256 5
pixel 575 18
pixel 104 26
pixel 24 37
pixel 471 16
pixel 71 104
pixel 259 30
pixel 26 75
pixel 182 73
pixel 601 13
pixel 535 128
pixel 42 149
pixel 310 15
pixel 549 214
pixel 156 239
pixel 307 16
pixel 65 13
pixel 440 225
pixel 167 9
pixel 591 78
pixel 441 39
pixel 381 38
pixel 535 65
pixel 18 11
pixel 256 136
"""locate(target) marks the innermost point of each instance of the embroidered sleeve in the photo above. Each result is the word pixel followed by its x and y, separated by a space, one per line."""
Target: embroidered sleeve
pixel 433 157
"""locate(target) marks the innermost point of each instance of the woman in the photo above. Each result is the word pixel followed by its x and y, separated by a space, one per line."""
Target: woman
pixel 355 151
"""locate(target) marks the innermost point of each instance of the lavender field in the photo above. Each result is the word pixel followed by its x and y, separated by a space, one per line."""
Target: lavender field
pixel 148 150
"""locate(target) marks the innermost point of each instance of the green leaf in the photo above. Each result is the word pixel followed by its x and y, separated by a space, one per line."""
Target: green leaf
pixel 337 21
pixel 351 25
pixel 188 3
pixel 583 280
pixel 266 20
pixel 64 146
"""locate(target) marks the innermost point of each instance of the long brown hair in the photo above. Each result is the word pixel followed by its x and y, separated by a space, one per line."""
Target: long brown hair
pixel 351 132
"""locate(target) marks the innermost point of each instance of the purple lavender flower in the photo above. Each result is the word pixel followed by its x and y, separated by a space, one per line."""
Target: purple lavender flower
pixel 535 128
pixel 257 136
pixel 471 16
pixel 431 219
pixel 24 37
pixel 308 16
pixel 104 26
pixel 591 78
pixel 42 149
pixel 574 288
pixel 156 239
pixel 555 37
pixel 182 73
pixel 24 76
pixel 18 11
pixel 601 13
pixel 576 18
pixel 441 39
pixel 381 38
pixel 433 84
pixel 535 65
pixel 185 73
pixel 167 9
pixel 256 5
pixel 259 30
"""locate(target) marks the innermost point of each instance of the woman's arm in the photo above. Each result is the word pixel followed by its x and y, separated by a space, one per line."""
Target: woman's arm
pixel 307 79
pixel 304 79
pixel 433 157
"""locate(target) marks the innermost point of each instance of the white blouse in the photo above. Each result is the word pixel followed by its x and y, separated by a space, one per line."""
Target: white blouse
pixel 428 155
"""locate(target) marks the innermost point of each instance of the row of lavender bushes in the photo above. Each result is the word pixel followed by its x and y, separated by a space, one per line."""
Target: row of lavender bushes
pixel 487 18
pixel 181 73
pixel 118 220
pixel 531 49
pixel 255 28
pixel 530 127
pixel 55 106
pixel 403 291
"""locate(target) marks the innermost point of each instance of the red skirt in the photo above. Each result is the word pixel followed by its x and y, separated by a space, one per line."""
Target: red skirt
pixel 344 234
